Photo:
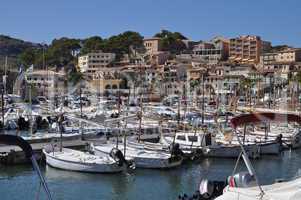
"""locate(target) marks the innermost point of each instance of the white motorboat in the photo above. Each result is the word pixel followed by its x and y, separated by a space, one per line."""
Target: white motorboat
pixel 73 160
pixel 188 141
pixel 206 145
pixel 277 191
pixel 237 187
pixel 143 158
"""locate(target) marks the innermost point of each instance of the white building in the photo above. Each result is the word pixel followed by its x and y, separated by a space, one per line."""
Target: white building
pixel 96 61
pixel 47 83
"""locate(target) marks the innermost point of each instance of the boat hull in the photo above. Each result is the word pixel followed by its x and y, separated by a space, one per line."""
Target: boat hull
pixel 270 148
pixel 221 151
pixel 81 166
pixel 148 163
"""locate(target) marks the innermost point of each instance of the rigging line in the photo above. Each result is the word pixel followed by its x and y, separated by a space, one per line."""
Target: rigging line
pixel 40 183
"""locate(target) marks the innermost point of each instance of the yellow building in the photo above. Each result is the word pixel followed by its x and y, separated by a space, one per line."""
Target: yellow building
pixel 103 81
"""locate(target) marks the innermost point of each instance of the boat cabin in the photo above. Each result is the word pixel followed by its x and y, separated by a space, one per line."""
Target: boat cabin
pixel 198 139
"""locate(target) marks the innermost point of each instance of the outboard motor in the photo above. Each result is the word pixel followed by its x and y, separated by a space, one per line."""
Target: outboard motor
pixel 242 180
pixel 175 150
pixel 41 123
pixel 279 139
pixel 176 154
pixel 211 189
pixel 118 156
pixel 23 124
pixel 208 190
pixel 114 115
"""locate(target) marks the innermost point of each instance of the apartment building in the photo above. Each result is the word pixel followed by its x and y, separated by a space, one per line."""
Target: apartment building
pixel 95 61
pixel 247 49
pixel 289 55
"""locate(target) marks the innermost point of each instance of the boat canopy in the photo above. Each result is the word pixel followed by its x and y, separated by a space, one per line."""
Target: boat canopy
pixel 264 117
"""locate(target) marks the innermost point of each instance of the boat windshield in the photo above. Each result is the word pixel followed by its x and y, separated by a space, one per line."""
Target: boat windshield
pixel 181 137
pixel 192 138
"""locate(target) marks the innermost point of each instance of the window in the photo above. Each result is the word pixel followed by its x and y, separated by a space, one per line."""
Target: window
pixel 193 138
pixel 181 137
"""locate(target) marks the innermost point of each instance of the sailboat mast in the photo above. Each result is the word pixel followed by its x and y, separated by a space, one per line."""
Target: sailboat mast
pixel 141 108
pixel 30 104
pixel 2 104
pixel 203 100
pixel 81 110
pixel 5 75
pixel 125 124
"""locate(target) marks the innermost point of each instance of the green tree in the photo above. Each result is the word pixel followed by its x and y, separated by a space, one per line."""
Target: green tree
pixel 94 43
pixel 28 57
pixel 171 41
pixel 60 52
pixel 120 44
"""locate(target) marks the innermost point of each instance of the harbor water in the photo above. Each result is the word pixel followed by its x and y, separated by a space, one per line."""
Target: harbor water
pixel 20 182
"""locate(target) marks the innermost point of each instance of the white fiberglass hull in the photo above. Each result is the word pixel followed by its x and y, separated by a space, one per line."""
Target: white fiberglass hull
pixel 278 191
pixel 73 160
pixel 220 151
pixel 142 158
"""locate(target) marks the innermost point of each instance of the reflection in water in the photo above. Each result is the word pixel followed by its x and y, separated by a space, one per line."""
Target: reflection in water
pixel 21 182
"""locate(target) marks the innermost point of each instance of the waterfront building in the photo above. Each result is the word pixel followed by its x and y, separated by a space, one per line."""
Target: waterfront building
pixel 95 61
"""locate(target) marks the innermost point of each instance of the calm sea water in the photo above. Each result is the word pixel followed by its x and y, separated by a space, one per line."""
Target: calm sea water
pixel 21 182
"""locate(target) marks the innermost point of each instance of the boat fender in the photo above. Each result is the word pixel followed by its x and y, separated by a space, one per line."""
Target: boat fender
pixel 241 180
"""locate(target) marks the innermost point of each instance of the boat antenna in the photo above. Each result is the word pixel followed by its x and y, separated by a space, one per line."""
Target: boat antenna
pixel 248 162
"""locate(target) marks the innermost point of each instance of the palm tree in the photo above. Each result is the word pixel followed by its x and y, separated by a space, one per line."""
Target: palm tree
pixel 296 81
pixel 245 88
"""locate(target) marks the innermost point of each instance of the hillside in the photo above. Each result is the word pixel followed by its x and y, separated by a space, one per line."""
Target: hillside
pixel 12 48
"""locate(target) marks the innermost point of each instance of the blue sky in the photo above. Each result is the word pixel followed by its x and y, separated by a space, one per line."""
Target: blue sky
pixel 278 21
